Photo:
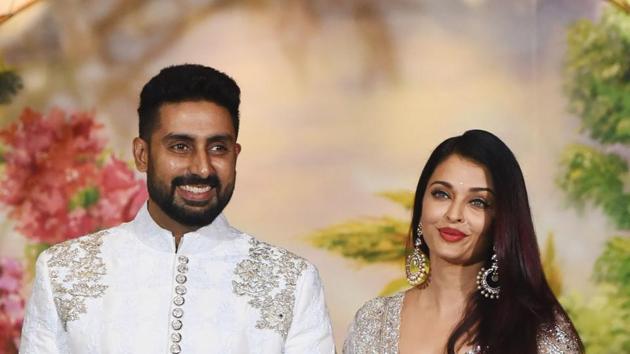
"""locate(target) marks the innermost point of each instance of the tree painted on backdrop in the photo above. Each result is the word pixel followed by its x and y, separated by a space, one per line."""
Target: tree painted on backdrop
pixel 371 239
pixel 595 174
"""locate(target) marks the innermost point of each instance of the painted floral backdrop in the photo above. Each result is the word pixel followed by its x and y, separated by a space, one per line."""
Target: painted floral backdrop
pixel 57 183
pixel 342 103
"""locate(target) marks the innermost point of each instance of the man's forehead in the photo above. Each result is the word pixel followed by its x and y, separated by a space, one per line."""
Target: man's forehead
pixel 194 118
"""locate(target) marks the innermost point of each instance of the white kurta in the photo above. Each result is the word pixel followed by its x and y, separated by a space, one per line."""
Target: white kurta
pixel 127 290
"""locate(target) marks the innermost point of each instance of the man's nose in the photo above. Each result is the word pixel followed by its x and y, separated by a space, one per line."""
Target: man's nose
pixel 201 164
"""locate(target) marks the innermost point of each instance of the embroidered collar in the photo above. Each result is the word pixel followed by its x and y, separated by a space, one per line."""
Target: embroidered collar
pixel 202 240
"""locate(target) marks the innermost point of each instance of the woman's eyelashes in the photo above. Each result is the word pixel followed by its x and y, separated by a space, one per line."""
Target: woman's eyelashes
pixel 475 201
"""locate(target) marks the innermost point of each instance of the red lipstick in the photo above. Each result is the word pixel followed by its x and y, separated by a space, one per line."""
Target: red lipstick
pixel 451 235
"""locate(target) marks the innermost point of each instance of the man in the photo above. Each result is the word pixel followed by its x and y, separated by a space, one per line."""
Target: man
pixel 178 278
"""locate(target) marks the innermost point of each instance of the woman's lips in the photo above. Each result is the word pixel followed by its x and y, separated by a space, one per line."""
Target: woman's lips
pixel 451 235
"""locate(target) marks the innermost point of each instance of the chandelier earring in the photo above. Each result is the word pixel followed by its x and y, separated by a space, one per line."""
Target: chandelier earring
pixel 417 263
pixel 488 279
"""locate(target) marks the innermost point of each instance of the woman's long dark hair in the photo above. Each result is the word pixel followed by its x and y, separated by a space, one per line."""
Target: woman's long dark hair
pixel 511 323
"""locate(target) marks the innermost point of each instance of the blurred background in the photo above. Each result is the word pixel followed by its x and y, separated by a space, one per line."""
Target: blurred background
pixel 342 102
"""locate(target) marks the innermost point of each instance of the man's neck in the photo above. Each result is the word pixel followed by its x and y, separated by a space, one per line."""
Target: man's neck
pixel 167 223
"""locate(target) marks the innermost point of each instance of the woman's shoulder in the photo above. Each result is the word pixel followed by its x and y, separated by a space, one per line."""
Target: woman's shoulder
pixel 380 306
pixel 558 337
pixel 375 326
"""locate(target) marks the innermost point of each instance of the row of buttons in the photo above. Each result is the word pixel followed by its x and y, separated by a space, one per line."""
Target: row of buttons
pixel 178 301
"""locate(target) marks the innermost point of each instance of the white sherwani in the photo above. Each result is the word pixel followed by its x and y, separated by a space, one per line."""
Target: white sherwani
pixel 127 290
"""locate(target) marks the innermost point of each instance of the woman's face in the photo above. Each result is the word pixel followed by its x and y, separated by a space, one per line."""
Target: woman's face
pixel 457 211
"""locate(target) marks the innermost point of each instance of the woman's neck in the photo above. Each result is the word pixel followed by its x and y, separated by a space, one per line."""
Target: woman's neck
pixel 449 287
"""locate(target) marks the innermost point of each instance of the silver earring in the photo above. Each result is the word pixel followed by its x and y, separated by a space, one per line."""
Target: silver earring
pixel 488 279
pixel 417 264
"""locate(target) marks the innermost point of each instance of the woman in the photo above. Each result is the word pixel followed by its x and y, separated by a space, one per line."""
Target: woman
pixel 478 282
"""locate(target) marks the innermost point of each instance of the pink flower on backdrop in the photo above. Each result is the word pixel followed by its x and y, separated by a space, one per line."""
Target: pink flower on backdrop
pixel 46 147
pixel 55 182
pixel 11 304
pixel 122 195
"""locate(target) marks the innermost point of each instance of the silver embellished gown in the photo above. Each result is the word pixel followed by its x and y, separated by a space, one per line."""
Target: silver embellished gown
pixel 375 330
pixel 128 290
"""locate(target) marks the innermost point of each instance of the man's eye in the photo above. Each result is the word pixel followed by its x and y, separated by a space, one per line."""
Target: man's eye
pixel 218 148
pixel 180 147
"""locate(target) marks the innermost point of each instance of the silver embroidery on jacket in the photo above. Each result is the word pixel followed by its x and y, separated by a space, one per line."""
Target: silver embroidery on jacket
pixel 376 326
pixel 376 330
pixel 75 270
pixel 269 277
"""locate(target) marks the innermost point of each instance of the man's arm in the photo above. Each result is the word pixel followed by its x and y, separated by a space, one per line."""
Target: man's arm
pixel 41 329
pixel 311 331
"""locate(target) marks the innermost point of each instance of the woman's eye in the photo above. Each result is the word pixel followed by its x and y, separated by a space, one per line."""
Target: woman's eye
pixel 440 194
pixel 479 203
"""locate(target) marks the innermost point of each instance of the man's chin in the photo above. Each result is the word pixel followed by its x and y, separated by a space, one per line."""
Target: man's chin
pixel 193 215
pixel 196 220
pixel 195 204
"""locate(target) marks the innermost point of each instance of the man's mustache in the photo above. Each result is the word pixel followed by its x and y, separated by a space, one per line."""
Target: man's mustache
pixel 211 180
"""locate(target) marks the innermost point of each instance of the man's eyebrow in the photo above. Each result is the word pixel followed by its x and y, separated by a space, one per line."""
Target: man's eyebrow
pixel 220 137
pixel 176 136
pixel 187 137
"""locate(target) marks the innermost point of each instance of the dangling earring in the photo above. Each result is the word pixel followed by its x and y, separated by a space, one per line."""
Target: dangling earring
pixel 417 264
pixel 488 279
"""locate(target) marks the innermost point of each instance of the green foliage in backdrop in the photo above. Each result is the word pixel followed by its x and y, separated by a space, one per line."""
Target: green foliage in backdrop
pixel 597 76
pixel 10 83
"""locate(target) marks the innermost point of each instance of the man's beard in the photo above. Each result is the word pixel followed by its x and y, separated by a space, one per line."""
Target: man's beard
pixel 197 216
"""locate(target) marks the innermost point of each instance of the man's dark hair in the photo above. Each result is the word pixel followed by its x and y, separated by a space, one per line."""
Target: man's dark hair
pixel 187 82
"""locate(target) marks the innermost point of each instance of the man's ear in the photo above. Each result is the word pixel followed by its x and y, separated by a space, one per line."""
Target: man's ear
pixel 237 148
pixel 141 154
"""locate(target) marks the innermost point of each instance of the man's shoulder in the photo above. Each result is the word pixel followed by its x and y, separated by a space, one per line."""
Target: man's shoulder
pixel 91 240
pixel 75 271
pixel 268 276
pixel 260 251
pixel 89 244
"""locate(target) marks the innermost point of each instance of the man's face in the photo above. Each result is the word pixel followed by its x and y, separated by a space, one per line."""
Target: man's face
pixel 190 162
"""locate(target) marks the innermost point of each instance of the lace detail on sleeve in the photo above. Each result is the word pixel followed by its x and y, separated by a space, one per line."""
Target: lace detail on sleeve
pixel 269 277
pixel 557 338
pixel 376 326
pixel 75 271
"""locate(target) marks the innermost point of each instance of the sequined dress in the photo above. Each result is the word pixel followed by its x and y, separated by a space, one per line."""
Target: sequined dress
pixel 128 290
pixel 375 330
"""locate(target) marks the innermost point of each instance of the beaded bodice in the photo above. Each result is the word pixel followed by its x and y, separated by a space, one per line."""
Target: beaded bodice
pixel 376 330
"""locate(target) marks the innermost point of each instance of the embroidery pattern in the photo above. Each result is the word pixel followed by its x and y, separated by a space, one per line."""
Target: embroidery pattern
pixel 376 327
pixel 269 277
pixel 555 339
pixel 376 330
pixel 75 270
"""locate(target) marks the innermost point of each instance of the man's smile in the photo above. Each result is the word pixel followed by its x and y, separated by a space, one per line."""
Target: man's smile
pixel 195 192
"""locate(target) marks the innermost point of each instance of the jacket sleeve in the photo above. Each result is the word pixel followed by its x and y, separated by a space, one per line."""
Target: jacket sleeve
pixel 42 327
pixel 311 331
pixel 558 337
